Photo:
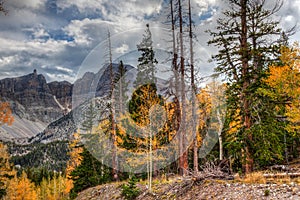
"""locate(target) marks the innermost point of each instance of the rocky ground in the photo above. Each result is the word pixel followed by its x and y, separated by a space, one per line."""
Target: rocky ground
pixel 252 187
pixel 213 190
pixel 187 189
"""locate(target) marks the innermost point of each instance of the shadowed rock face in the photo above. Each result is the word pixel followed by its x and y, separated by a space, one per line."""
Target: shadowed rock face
pixel 41 102
pixel 47 106
pixel 62 92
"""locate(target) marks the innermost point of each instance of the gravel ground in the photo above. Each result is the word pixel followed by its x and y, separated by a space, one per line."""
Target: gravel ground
pixel 235 191
pixel 208 189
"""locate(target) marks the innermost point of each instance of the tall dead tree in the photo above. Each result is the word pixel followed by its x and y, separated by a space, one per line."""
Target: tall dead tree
pixel 112 111
pixel 183 159
pixel 194 90
pixel 175 70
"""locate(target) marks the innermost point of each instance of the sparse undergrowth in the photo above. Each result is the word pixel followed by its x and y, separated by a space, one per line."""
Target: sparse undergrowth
pixel 130 190
pixel 253 186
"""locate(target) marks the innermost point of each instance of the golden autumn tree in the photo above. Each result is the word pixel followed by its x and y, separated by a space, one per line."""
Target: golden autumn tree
pixel 5 114
pixel 134 138
pixel 204 113
pixel 6 170
pixel 284 81
pixel 43 190
pixel 74 161
pixel 53 189
pixel 21 188
pixel 147 111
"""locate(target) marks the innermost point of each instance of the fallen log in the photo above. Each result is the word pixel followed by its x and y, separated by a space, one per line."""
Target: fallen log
pixel 210 177
pixel 281 175
pixel 282 168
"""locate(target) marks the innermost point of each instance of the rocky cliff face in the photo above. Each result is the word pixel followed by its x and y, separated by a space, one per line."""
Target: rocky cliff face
pixel 36 97
pixel 94 85
pixel 48 106
pixel 62 91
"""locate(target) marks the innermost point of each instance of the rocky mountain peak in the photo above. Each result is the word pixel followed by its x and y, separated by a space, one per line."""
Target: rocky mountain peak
pixel 36 103
pixel 34 100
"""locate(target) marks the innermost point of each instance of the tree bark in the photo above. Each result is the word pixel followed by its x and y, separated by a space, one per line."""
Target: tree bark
pixel 194 91
pixel 182 151
pixel 221 156
pixel 112 118
pixel 248 165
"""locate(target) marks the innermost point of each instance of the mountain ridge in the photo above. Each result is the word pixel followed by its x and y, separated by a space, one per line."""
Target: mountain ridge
pixel 38 105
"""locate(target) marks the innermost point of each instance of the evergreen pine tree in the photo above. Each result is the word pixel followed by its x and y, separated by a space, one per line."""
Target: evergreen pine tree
pixel 89 173
pixel 245 51
pixel 130 190
pixel 146 67
pixel 89 119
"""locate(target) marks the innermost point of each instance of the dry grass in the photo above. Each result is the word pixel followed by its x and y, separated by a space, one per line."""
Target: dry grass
pixel 255 177
pixel 297 180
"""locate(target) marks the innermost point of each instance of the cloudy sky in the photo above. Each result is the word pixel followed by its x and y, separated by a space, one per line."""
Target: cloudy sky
pixel 64 38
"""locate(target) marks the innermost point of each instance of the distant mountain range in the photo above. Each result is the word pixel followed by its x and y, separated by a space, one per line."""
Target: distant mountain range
pixel 43 111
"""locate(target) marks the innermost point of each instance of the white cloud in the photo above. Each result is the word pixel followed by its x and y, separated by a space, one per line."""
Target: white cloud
pixel 6 60
pixel 122 49
pixel 34 47
pixel 203 5
pixel 40 33
pixel 59 36
pixel 121 8
pixel 55 76
pixel 88 30
pixel 67 70
pixel 26 55
pixel 32 4
pixel 82 5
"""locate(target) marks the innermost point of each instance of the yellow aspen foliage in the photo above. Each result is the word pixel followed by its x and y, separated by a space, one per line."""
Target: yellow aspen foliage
pixel 43 190
pixel 121 131
pixel 204 110
pixel 5 114
pixel 235 124
pixel 6 170
pixel 285 84
pixel 21 189
pixel 170 127
pixel 148 98
pixel 290 56
pixel 74 161
pixel 138 121
pixel 278 79
pixel 53 189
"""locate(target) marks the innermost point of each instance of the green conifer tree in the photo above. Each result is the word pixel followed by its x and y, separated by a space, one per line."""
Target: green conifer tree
pixel 146 67
pixel 89 119
pixel 89 173
pixel 246 38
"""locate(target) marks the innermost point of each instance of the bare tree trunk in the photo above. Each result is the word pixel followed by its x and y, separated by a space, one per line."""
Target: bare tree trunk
pixel 121 89
pixel 112 118
pixel 175 71
pixel 221 155
pixel 150 161
pixel 183 152
pixel 194 91
pixel 248 165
